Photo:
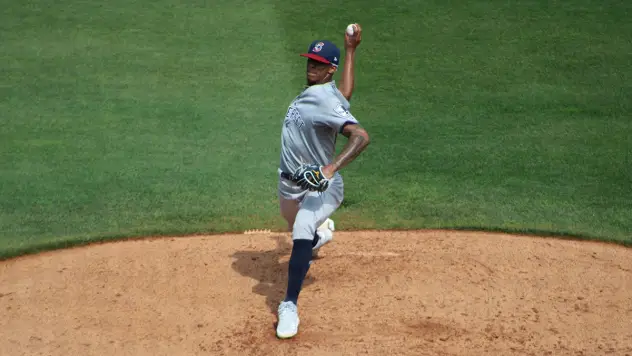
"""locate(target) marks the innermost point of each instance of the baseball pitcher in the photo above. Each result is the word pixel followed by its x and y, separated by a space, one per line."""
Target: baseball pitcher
pixel 310 186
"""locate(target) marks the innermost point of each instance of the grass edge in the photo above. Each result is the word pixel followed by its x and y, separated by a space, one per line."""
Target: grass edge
pixel 70 242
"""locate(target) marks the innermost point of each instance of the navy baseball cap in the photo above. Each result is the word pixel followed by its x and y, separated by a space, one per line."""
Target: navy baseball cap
pixel 323 51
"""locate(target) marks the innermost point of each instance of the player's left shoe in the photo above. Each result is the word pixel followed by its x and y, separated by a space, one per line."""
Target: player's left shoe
pixel 288 320
pixel 325 234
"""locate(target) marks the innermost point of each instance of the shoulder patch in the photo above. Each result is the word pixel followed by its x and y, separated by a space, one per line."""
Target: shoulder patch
pixel 340 110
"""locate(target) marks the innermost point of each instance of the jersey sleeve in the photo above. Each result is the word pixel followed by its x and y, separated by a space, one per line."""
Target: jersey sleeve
pixel 337 117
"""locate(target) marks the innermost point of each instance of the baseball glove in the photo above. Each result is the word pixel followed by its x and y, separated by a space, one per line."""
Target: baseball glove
pixel 311 177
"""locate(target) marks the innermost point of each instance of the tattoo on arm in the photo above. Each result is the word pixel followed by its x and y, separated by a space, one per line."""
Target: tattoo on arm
pixel 358 140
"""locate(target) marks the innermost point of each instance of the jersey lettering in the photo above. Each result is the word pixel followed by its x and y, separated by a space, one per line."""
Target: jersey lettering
pixel 293 116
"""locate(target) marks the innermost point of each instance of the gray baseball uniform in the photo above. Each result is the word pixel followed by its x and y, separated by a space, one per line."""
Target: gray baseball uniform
pixel 310 129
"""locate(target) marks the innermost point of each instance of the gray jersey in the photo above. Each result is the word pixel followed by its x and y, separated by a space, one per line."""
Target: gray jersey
pixel 311 125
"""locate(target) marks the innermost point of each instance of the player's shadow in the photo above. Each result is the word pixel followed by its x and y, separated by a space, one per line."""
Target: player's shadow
pixel 268 270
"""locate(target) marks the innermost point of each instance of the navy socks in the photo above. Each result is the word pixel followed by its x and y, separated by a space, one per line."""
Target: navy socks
pixel 299 265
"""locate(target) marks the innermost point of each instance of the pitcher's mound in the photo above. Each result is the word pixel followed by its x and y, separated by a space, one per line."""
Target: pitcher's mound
pixel 374 293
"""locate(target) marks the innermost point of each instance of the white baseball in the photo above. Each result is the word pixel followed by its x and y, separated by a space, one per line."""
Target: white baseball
pixel 350 30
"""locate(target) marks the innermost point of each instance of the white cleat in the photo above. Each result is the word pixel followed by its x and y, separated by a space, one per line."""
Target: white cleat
pixel 325 234
pixel 288 320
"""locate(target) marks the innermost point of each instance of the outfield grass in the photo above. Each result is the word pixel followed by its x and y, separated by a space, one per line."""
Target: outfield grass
pixel 145 117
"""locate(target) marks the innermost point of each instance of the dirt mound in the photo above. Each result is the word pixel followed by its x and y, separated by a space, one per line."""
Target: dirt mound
pixel 372 293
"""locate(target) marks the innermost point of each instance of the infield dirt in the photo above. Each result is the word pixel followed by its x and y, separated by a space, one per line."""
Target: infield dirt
pixel 370 293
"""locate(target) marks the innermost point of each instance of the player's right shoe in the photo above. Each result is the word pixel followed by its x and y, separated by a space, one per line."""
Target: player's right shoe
pixel 325 234
pixel 288 320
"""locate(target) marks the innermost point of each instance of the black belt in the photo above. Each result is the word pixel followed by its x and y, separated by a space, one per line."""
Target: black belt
pixel 286 176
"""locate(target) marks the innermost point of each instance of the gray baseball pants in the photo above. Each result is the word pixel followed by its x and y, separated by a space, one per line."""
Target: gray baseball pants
pixel 305 211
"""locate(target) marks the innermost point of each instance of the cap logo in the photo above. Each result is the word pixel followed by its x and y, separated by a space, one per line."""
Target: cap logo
pixel 318 47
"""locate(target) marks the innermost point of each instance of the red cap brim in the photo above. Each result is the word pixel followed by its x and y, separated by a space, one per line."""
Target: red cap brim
pixel 315 57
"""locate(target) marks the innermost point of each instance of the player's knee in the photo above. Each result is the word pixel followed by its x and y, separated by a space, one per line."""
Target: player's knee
pixel 303 230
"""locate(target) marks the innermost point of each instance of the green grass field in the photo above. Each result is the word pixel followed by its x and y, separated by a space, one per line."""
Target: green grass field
pixel 130 118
